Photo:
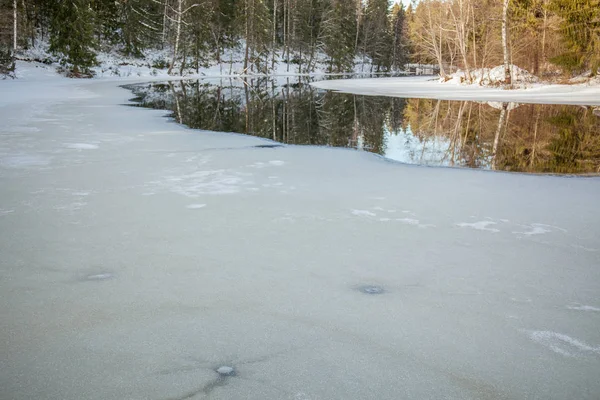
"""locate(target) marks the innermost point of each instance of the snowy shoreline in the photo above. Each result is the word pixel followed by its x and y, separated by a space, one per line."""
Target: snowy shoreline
pixel 428 87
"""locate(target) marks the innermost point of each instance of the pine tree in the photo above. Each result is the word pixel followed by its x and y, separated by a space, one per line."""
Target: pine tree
pixel 400 49
pixel 6 37
pixel 254 17
pixel 72 34
pixel 377 36
pixel 338 35
pixel 140 23
pixel 581 31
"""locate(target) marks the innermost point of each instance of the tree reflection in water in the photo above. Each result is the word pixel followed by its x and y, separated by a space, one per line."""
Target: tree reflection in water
pixel 502 136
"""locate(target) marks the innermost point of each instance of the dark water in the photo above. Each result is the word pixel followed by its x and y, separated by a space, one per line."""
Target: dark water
pixel 502 136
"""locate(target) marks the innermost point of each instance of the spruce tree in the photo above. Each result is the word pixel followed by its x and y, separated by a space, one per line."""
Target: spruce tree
pixel 377 36
pixel 400 49
pixel 72 34
pixel 140 23
pixel 581 31
pixel 338 35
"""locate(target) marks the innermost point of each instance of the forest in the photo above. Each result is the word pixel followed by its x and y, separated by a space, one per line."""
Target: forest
pixel 550 38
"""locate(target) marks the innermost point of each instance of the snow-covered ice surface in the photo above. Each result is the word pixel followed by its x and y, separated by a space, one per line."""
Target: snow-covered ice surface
pixel 430 88
pixel 113 288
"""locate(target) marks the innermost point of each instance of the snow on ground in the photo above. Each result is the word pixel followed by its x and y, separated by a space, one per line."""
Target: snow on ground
pixel 139 258
pixel 154 64
pixel 427 87
pixel 492 77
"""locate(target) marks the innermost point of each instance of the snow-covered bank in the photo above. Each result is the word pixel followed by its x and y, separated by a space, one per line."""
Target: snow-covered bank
pixel 138 257
pixel 427 87
pixel 153 64
pixel 520 78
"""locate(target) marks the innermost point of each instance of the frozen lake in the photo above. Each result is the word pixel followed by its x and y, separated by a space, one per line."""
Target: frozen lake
pixel 140 259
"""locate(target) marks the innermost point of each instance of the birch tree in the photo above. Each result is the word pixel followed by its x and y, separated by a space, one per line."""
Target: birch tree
pixel 507 69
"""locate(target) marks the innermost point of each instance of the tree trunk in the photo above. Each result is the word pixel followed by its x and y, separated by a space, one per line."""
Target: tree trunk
pixel 507 75
pixel 501 122
pixel 177 35
pixel 274 46
pixel 247 50
pixel 358 20
pixel 289 13
pixel 14 26
pixel 164 27
pixel 545 26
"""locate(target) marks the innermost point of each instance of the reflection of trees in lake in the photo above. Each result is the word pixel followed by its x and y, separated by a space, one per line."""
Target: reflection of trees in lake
pixel 503 136
pixel 292 112
pixel 510 137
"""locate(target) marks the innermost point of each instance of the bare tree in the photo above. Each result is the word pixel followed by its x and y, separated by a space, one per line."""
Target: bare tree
pixel 460 19
pixel 179 22
pixel 507 75
pixel 428 33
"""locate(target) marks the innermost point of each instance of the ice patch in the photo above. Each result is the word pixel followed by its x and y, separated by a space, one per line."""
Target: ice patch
pixel 578 246
pixel 81 146
pixel 480 226
pixel 214 182
pixel 195 206
pixel 25 129
pixel 6 212
pixel 75 206
pixel 99 277
pixel 24 160
pixel 363 213
pixel 562 344
pixel 581 307
pixel 273 163
pixel 384 219
pixel 409 221
pixel 539 229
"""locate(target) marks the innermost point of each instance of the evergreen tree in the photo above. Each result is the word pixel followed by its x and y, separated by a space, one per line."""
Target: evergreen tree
pixel 140 23
pixel 254 17
pixel 377 36
pixel 6 37
pixel 72 34
pixel 222 26
pixel 400 51
pixel 581 29
pixel 107 23
pixel 338 35
pixel 308 16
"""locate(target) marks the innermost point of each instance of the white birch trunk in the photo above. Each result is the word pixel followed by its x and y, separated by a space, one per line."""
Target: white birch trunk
pixel 507 75
pixel 501 122
pixel 274 34
pixel 14 26
pixel 177 35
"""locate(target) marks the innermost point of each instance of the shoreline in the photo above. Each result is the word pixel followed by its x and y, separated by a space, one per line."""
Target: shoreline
pixel 428 87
